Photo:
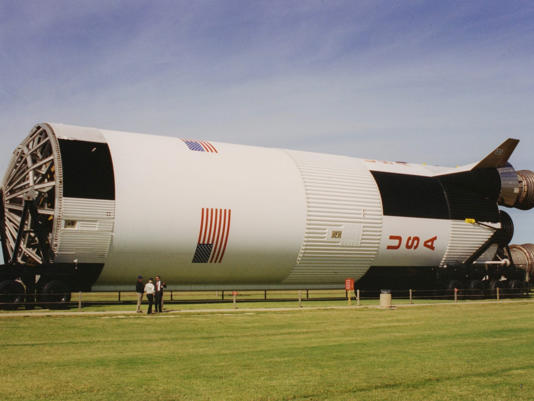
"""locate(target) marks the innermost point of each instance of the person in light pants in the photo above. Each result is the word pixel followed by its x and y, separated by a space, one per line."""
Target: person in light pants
pixel 139 289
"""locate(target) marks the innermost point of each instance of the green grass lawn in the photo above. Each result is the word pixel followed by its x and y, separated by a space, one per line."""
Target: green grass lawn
pixel 442 352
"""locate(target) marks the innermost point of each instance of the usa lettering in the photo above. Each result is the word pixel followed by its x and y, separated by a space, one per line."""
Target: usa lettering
pixel 412 242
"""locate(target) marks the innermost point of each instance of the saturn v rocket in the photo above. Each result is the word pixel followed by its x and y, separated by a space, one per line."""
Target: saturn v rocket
pixel 86 208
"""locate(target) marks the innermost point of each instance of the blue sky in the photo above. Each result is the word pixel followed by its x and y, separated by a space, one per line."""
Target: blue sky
pixel 441 82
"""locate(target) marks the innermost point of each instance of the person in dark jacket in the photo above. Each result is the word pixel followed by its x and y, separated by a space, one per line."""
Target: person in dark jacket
pixel 139 289
pixel 159 294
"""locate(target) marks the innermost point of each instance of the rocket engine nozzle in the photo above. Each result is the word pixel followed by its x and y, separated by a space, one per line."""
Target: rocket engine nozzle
pixel 523 257
pixel 517 188
pixel 525 198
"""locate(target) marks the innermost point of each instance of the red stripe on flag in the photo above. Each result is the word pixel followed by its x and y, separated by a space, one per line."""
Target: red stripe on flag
pixel 216 245
pixel 206 226
pixel 207 146
pixel 208 240
pixel 215 223
pixel 211 225
pixel 226 235
pixel 203 144
pixel 201 226
pixel 207 216
pixel 222 237
pixel 212 147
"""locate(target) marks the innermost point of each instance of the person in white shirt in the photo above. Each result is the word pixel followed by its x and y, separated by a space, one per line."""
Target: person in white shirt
pixel 150 290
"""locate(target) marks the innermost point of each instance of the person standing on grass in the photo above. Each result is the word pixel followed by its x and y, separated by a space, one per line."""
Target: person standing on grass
pixel 150 290
pixel 159 294
pixel 139 289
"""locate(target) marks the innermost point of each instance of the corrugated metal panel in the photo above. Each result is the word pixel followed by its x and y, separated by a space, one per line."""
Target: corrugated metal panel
pixel 88 225
pixel 464 240
pixel 88 208
pixel 344 219
pixel 89 237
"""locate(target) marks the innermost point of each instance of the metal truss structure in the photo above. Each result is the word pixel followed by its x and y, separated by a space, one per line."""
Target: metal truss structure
pixel 29 199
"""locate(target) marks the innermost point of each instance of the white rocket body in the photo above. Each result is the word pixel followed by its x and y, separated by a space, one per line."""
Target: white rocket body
pixel 216 215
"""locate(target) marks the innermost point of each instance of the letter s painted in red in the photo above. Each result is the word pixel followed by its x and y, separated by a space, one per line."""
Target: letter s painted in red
pixel 412 242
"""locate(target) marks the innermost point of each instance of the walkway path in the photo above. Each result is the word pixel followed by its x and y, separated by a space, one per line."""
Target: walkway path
pixel 244 310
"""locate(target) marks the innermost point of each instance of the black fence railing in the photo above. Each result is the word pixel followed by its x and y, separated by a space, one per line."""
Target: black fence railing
pixel 87 299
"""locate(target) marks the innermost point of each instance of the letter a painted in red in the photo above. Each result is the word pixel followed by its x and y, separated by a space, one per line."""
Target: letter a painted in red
pixel 429 243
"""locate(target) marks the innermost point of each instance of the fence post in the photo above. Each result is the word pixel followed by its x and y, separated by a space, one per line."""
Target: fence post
pixel 80 300
pixel 234 295
pixel 411 296
pixel 172 296
pixel 222 295
pixel 498 294
pixel 358 297
pixel 456 295
pixel 307 294
pixel 119 297
pixel 265 295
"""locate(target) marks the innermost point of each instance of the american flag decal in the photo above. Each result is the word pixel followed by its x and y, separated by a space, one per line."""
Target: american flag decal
pixel 213 235
pixel 199 146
